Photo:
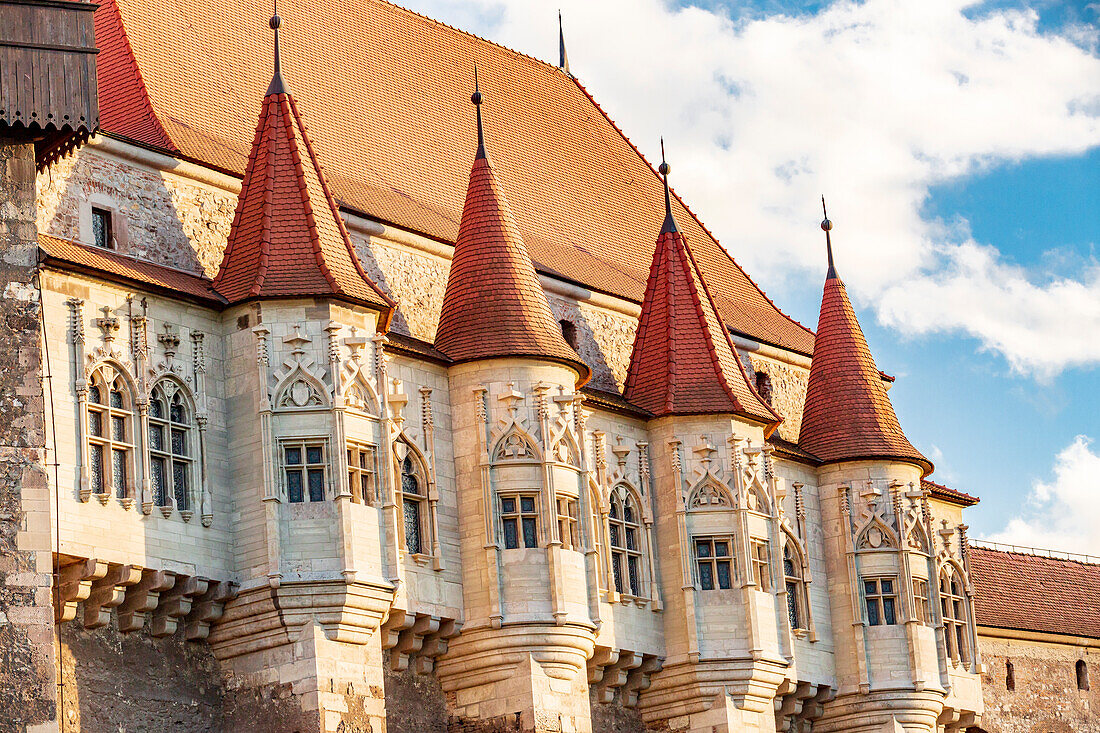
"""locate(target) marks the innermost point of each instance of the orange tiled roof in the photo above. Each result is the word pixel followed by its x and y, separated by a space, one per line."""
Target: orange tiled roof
pixel 494 304
pixel 129 269
pixel 1033 593
pixel 847 413
pixel 387 94
pixel 287 238
pixel 939 491
pixel 683 360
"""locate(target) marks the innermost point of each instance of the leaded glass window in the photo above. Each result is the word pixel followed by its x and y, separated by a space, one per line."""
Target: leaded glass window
pixel 714 562
pixel 624 533
pixel 171 454
pixel 795 585
pixel 519 517
pixel 363 473
pixel 413 501
pixel 110 432
pixel 304 470
pixel 881 601
pixel 953 605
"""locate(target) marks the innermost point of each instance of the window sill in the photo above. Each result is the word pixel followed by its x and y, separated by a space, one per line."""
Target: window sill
pixel 419 558
pixel 800 634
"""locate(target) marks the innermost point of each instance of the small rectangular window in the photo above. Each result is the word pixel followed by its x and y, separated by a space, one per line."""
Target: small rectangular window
pixel 761 567
pixel 519 518
pixel 567 523
pixel 101 229
pixel 363 473
pixel 714 562
pixel 920 600
pixel 881 600
pixel 304 471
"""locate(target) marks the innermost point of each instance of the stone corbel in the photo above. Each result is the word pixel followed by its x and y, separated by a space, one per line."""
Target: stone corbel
pixel 615 675
pixel 107 593
pixel 423 637
pixel 208 608
pixel 640 678
pixel 74 584
pixel 142 598
pixel 175 604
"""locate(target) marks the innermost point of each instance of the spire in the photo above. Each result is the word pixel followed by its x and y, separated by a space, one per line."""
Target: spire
pixel 476 99
pixel 827 226
pixel 684 361
pixel 563 58
pixel 277 85
pixel 670 223
pixel 494 305
pixel 287 239
pixel 847 414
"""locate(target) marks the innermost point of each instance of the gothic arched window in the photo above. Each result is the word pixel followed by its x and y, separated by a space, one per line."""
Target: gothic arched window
pixel 953 605
pixel 1082 675
pixel 625 531
pixel 413 499
pixel 796 586
pixel 110 432
pixel 171 452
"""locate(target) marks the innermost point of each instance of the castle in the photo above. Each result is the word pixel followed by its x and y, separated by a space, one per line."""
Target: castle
pixel 476 428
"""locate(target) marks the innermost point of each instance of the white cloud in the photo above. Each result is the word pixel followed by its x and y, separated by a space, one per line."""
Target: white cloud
pixel 1063 514
pixel 871 103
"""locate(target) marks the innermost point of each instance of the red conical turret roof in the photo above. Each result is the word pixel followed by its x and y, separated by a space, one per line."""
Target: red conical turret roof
pixel 848 415
pixel 684 361
pixel 287 238
pixel 494 305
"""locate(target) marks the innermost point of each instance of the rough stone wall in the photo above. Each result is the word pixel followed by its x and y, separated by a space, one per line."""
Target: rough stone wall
pixel 161 217
pixel 1045 698
pixel 788 393
pixel 27 686
pixel 414 702
pixel 612 717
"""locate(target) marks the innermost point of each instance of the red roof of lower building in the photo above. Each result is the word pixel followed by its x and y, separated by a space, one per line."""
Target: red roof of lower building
pixel 939 491
pixel 1027 592
pixel 847 414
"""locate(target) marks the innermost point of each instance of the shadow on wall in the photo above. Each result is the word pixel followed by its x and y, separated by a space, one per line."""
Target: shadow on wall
pixel 151 216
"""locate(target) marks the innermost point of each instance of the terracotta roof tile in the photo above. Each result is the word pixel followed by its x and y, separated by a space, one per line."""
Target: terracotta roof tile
pixel 684 361
pixel 494 304
pixel 287 238
pixel 939 491
pixel 388 95
pixel 73 255
pixel 1033 593
pixel 847 413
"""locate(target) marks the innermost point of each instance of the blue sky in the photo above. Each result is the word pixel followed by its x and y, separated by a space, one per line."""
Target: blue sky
pixel 959 146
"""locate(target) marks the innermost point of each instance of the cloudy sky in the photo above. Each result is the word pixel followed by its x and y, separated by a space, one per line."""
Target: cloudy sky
pixel 958 145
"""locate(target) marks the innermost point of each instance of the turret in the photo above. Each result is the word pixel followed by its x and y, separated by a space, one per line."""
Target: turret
pixel 520 467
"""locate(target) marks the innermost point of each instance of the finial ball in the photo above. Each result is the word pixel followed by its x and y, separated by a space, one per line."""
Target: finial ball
pixel 826 226
pixel 476 97
pixel 663 168
pixel 275 22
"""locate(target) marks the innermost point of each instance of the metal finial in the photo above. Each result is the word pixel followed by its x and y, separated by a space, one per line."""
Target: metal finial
pixel 827 226
pixel 277 85
pixel 563 58
pixel 669 223
pixel 476 98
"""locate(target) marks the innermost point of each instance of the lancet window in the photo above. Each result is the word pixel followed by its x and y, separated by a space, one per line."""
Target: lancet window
pixel 568 528
pixel 304 470
pixel 795 585
pixel 761 566
pixel 625 532
pixel 880 596
pixel 171 447
pixel 953 605
pixel 920 600
pixel 414 499
pixel 110 433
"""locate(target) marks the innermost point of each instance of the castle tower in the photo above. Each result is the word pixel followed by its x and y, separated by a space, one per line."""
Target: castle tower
pixel 716 504
pixel 520 470
pixel 303 379
pixel 877 534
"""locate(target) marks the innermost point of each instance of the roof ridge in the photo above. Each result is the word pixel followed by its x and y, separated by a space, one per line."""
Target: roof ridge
pixel 981 545
pixel 687 208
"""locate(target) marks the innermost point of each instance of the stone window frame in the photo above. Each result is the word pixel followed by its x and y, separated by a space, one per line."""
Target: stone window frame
pixel 877 597
pixel 922 605
pixel 953 606
pixel 119 231
pixel 794 583
pixel 191 443
pixel 412 489
pixel 625 583
pixel 306 467
pixel 102 441
pixel 713 562
pixel 568 516
pixel 357 472
pixel 760 562
pixel 518 514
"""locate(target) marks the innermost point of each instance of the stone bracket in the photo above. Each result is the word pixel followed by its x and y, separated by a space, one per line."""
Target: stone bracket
pixel 797 705
pixel 208 608
pixel 627 671
pixel 74 584
pixel 109 592
pixel 143 598
pixel 423 637
pixel 175 604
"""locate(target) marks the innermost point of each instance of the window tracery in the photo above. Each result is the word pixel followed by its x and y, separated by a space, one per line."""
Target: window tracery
pixel 795 585
pixel 413 500
pixel 953 605
pixel 625 533
pixel 110 432
pixel 171 447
